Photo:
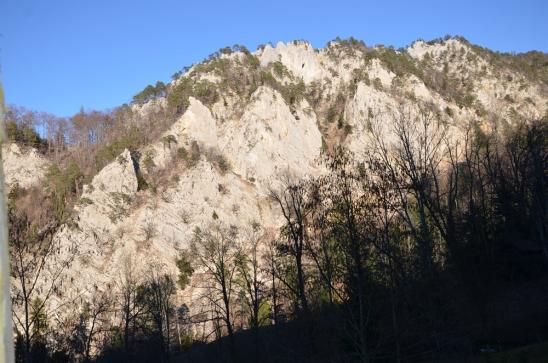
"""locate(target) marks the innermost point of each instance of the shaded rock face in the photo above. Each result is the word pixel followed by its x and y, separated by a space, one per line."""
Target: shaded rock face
pixel 270 137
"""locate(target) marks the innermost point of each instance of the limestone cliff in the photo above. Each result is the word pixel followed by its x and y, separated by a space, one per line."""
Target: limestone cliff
pixel 261 136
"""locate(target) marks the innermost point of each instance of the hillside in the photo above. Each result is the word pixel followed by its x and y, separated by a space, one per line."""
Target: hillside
pixel 213 145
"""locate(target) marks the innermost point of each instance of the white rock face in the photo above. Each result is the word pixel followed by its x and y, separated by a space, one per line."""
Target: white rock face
pixel 270 139
pixel 376 70
pixel 420 48
pixel 367 105
pixel 152 233
pixel 105 199
pixel 24 167
pixel 299 58
pixel 309 64
pixel 196 124
pixel 150 107
pixel 266 137
pixel 504 92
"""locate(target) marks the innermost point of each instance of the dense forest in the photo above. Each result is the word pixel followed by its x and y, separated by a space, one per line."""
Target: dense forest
pixel 431 247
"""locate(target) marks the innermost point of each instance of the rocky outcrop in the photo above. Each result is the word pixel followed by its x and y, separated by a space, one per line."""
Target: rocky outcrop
pixel 195 125
pixel 105 200
pixel 272 138
pixel 497 89
pixel 22 166
pixel 299 57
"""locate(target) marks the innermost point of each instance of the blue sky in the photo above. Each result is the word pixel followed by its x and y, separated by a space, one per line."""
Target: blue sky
pixel 58 56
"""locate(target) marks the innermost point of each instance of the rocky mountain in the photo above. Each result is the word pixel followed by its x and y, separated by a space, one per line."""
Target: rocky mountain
pixel 245 119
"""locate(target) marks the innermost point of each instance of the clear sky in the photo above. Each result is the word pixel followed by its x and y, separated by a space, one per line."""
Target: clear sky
pixel 57 56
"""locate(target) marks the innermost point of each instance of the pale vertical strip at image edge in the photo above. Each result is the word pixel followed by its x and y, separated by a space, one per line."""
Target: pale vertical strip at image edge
pixel 6 338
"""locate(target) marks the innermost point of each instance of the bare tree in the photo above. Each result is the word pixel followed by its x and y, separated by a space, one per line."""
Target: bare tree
pixel 128 301
pixel 37 265
pixel 291 197
pixel 350 223
pixel 249 271
pixel 322 247
pixel 389 241
pixel 412 164
pixel 93 320
pixel 271 269
pixel 155 295
pixel 215 252
pixel 250 281
pixel 538 154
